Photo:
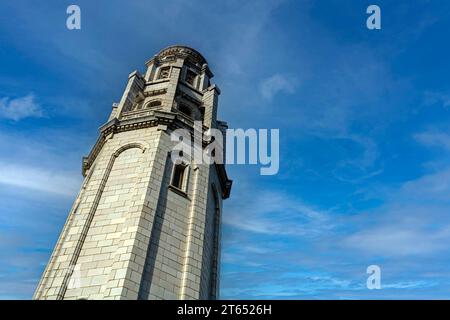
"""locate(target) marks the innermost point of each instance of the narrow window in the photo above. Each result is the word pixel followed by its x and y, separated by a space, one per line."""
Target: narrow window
pixel 164 73
pixel 190 77
pixel 178 176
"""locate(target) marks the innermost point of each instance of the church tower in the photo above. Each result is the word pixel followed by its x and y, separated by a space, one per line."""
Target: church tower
pixel 142 226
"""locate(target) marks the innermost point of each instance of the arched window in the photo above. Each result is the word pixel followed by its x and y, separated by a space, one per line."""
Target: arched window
pixel 185 110
pixel 154 104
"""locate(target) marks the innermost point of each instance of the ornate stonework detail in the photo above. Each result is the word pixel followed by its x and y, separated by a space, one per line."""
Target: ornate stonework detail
pixel 164 73
pixel 184 52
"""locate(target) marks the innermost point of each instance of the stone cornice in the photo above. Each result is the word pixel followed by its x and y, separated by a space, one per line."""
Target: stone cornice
pixel 183 52
pixel 165 119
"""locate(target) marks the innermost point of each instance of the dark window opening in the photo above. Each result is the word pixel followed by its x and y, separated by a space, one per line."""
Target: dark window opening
pixel 190 77
pixel 185 110
pixel 178 176
pixel 154 104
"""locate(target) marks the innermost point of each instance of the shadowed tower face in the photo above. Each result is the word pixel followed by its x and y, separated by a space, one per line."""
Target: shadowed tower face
pixel 141 226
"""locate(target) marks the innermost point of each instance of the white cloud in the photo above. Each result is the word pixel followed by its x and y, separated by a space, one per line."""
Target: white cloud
pixel 19 108
pixel 277 83
pixel 39 179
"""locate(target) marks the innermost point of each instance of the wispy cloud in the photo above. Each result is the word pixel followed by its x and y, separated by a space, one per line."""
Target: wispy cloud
pixel 291 285
pixel 434 139
pixel 409 285
pixel 23 258
pixel 274 213
pixel 432 98
pixel 278 83
pixel 407 239
pixel 20 108
pixel 412 222
pixel 328 251
pixel 39 179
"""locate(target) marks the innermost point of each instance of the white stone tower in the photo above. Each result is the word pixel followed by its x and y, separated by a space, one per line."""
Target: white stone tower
pixel 142 227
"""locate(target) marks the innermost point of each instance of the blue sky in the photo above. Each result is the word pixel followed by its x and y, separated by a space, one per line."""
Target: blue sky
pixel 364 119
